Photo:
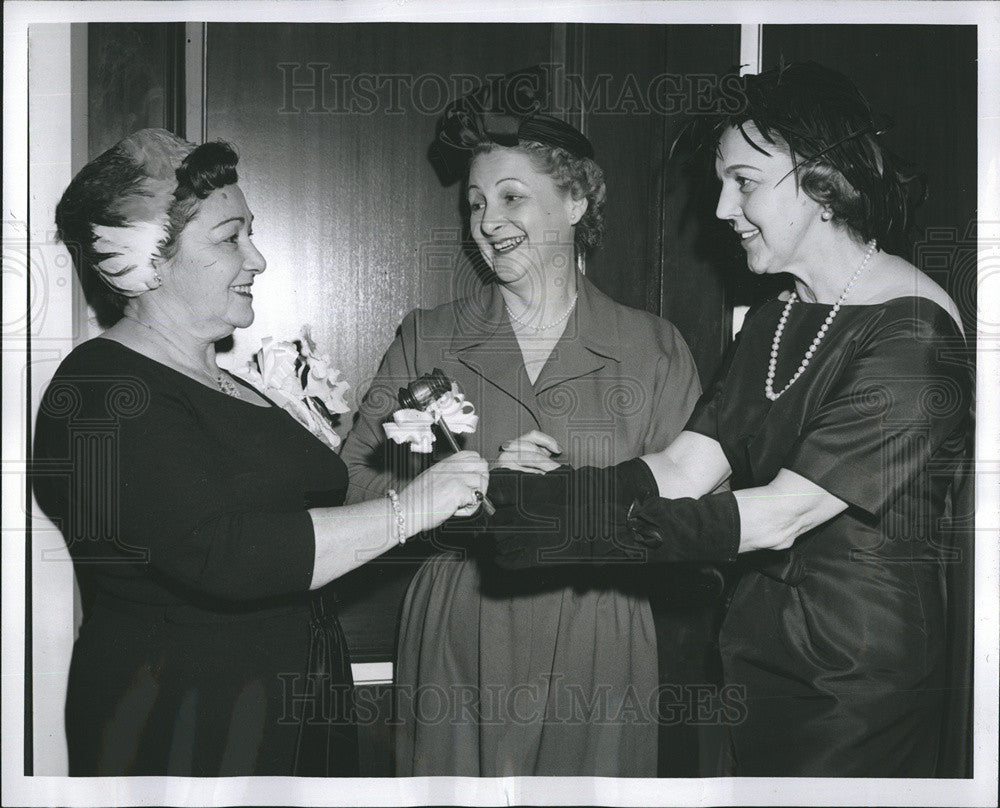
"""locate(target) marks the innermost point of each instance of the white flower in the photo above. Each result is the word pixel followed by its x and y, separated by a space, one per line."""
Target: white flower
pixel 413 427
pixel 276 363
pixel 453 408
pixel 321 381
pixel 295 379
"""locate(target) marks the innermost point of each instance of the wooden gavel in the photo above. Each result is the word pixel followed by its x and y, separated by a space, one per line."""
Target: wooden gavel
pixel 419 395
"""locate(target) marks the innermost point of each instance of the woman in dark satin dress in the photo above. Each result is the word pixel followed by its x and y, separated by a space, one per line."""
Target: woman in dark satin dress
pixel 839 420
pixel 205 523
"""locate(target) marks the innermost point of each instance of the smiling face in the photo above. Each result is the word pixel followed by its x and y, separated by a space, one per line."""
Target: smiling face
pixel 774 218
pixel 520 219
pixel 215 264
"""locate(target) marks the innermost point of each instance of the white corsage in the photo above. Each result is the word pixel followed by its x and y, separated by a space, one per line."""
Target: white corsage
pixel 455 410
pixel 302 382
pixel 414 426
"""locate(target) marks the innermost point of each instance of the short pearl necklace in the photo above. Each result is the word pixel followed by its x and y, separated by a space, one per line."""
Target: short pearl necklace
pixel 539 328
pixel 222 381
pixel 773 363
pixel 227 385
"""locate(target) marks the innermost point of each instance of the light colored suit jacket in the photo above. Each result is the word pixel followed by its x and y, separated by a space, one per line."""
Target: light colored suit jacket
pixel 620 383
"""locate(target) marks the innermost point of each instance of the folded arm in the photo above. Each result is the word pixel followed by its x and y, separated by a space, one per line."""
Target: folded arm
pixel 773 516
pixel 691 466
pixel 615 514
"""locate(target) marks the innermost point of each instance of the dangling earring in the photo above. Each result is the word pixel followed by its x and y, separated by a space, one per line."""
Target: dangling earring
pixel 157 280
pixel 826 215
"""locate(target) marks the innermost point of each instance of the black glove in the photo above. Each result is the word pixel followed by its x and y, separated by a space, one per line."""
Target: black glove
pixel 607 492
pixel 620 485
pixel 593 515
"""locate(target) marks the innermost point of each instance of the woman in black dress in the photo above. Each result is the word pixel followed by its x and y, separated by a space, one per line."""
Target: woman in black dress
pixel 204 522
pixel 838 420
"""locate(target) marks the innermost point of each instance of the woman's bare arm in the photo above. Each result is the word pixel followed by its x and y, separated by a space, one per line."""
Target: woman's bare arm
pixel 691 466
pixel 773 516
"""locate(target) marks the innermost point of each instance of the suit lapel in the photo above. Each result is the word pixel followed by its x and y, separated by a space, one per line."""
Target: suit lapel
pixel 587 344
pixel 484 342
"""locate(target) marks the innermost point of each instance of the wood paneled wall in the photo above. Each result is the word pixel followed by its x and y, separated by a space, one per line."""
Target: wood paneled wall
pixel 662 247
pixel 135 80
pixel 333 123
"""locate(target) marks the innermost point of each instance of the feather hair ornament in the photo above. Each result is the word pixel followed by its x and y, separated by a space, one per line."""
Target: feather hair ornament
pixel 130 251
pixel 127 252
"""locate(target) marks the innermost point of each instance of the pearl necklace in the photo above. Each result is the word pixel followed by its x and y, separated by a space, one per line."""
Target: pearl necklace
pixel 539 328
pixel 222 381
pixel 773 363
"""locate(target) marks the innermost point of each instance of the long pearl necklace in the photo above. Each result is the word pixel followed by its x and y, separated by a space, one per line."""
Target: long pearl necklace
pixel 539 328
pixel 776 342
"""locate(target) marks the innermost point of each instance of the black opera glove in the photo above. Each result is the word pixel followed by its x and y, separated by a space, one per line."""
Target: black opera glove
pixel 619 485
pixel 606 516
pixel 598 497
pixel 688 529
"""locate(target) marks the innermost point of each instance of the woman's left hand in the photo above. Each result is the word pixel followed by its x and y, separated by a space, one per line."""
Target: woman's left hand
pixel 532 452
pixel 773 516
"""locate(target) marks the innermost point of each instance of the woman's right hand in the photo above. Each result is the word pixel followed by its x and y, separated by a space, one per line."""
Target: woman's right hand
pixel 448 488
pixel 532 452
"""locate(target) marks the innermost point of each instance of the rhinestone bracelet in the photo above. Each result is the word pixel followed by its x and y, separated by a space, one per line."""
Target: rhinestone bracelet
pixel 393 498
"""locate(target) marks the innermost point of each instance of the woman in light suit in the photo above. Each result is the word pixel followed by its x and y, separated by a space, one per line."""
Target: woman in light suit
pixel 519 659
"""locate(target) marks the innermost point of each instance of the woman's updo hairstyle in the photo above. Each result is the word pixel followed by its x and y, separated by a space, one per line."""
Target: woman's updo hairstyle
pixel 505 113
pixel 207 168
pixel 123 212
pixel 839 159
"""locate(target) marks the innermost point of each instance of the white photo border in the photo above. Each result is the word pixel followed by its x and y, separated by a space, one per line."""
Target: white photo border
pixel 17 789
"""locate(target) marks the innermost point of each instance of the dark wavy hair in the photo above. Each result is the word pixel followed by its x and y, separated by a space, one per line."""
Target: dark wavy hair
pixel 144 177
pixel 839 159
pixel 580 177
pixel 209 167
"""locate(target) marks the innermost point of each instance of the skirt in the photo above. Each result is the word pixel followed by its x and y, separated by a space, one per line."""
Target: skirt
pixel 540 672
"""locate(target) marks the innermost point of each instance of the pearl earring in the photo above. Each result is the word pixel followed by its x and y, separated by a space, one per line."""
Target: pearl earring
pixel 826 215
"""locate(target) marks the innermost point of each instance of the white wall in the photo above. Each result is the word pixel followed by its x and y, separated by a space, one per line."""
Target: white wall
pixel 50 160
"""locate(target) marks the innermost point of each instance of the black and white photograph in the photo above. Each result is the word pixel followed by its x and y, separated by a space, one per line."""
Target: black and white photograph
pixel 582 403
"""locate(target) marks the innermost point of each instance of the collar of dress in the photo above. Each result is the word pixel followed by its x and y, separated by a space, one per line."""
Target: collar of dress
pixel 592 325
